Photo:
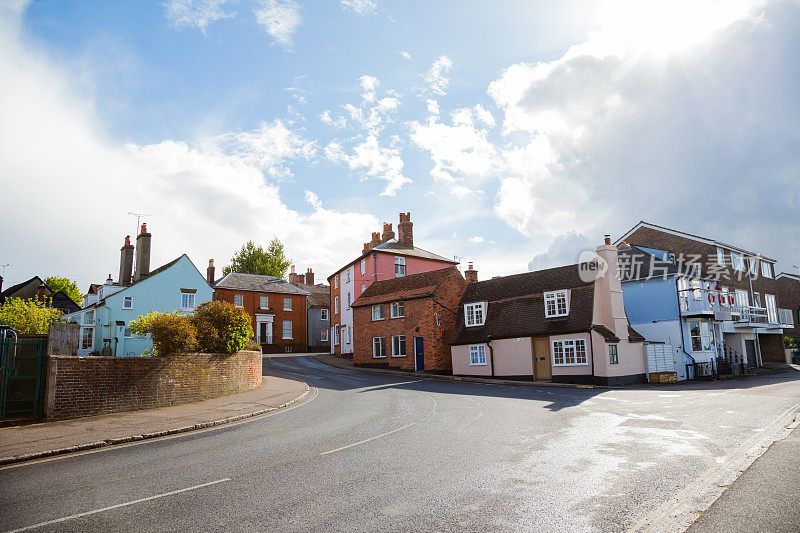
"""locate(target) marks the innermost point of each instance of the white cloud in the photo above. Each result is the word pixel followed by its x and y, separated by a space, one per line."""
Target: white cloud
pixel 361 7
pixel 476 239
pixel 436 77
pixel 326 118
pixel 206 200
pixel 375 160
pixel 405 54
pixel 563 250
pixel 196 13
pixel 280 18
pixel 369 84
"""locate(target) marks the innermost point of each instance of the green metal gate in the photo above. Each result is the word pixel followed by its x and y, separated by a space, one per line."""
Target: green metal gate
pixel 23 363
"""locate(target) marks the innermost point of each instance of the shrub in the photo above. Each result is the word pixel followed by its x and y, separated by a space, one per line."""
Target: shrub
pixel 28 316
pixel 222 327
pixel 171 333
pixel 789 342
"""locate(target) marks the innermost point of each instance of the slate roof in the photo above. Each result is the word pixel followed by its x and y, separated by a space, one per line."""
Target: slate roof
pixel 319 296
pixel 258 283
pixel 12 290
pixel 395 247
pixel 516 306
pixel 403 288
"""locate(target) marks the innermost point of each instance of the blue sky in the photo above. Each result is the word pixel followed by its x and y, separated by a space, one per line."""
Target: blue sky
pixel 516 133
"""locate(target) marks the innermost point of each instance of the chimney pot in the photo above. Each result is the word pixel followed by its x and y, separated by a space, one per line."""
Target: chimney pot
pixel 607 239
pixel 310 277
pixel 210 272
pixel 470 275
pixel 144 228
pixel 142 255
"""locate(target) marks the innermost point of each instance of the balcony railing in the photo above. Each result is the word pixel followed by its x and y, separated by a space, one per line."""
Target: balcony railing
pixel 695 301
pixel 786 318
pixel 722 306
pixel 751 314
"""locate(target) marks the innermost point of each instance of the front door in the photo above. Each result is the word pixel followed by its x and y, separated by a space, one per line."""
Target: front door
pixel 419 353
pixel 542 370
pixel 750 348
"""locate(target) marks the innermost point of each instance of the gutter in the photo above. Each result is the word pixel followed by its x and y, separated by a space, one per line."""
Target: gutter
pixel 491 354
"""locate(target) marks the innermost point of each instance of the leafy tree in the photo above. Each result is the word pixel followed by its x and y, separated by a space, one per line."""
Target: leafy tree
pixel 252 259
pixel 28 316
pixel 222 327
pixel 69 287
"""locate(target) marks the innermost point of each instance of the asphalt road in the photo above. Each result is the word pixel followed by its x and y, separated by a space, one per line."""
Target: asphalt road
pixel 369 452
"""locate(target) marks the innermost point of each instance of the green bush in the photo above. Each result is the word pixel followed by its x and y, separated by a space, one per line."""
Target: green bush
pixel 171 333
pixel 28 316
pixel 222 327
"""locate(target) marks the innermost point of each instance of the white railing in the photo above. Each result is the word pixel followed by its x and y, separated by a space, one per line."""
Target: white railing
pixel 750 314
pixel 786 318
pixel 702 301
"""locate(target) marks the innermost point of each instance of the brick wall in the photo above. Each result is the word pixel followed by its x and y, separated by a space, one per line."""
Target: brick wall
pixel 86 386
pixel 251 303
pixel 788 297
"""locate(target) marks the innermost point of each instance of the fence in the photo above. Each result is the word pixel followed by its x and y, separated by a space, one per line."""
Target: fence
pixel 63 339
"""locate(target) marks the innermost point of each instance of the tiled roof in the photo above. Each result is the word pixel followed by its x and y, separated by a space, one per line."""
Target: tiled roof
pixel 634 336
pixel 258 283
pixel 394 246
pixel 516 306
pixel 403 288
pixel 318 295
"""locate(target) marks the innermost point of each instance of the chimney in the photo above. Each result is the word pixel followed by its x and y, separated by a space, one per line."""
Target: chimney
pixel 1 283
pixel 210 272
pixel 142 255
pixel 126 262
pixel 301 279
pixel 109 280
pixel 470 274
pixel 376 239
pixel 366 248
pixel 405 230
pixel 292 276
pixel 609 307
pixel 607 240
pixel 310 276
pixel 388 234
pixel 41 292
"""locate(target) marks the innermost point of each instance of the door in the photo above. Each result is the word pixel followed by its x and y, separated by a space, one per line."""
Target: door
pixel 750 348
pixel 23 361
pixel 262 332
pixel 419 353
pixel 541 359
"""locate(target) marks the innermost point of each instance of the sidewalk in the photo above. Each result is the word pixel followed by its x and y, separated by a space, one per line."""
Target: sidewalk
pixel 341 362
pixel 22 443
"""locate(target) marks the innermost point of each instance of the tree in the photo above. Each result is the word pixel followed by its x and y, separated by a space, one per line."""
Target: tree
pixel 252 259
pixel 69 287
pixel 28 316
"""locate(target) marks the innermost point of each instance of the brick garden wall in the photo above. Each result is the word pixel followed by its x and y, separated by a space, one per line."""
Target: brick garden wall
pixel 86 386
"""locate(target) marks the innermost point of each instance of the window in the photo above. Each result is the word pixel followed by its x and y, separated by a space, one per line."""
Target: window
pixel 263 302
pixel 477 355
pixel 378 347
pixel 363 288
pixel 399 267
pixel 555 303
pixel 238 300
pixel 701 336
pixel 772 308
pixel 287 329
pixel 751 266
pixel 363 266
pixel 398 309
pixel 187 300
pixel 399 346
pixel 88 317
pixel 474 314
pixel 378 312
pixel 348 275
pixel 336 281
pixel 569 352
pixel 757 299
pixel 323 315
pixel 128 333
pixel 87 338
pixel 349 332
pixel 348 300
pixel 720 256
pixel 127 302
pixel 336 335
pixel 287 303
pixel 737 262
pixel 766 269
pixel 323 334
pixel 336 305
pixel 613 358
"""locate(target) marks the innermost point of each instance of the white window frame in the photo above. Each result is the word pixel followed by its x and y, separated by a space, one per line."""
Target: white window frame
pixel 349 300
pixel 720 256
pixel 336 281
pixel 287 303
pixel 380 344
pixel 477 355
pixel 348 276
pixel 380 314
pixel 766 269
pixel 188 295
pixel 88 317
pixel 737 261
pixel 239 297
pixel 324 314
pixel 555 297
pixel 752 269
pixel 705 335
pixel 399 266
pixel 363 288
pixel 336 335
pixel 284 328
pixel 363 266
pixel 613 354
pixel 128 300
pixel 772 308
pixel 396 341
pixel 263 302
pixel 398 309
pixel 335 305
pixel 474 314
pixel 84 331
pixel 127 333
pixel 569 359
pixel 323 335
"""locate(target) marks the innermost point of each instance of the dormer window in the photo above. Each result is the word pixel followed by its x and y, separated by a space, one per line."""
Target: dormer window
pixel 555 303
pixel 475 314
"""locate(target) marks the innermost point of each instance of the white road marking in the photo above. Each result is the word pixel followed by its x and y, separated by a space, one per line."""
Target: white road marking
pixel 388 385
pixel 117 506
pixel 367 440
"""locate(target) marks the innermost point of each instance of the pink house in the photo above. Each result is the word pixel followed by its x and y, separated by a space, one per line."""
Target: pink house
pixel 384 257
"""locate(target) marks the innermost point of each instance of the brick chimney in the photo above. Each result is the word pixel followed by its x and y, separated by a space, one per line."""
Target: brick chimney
pixel 607 239
pixel 292 276
pixel 376 239
pixel 142 255
pixel 41 292
pixel 210 272
pixel 310 276
pixel 366 249
pixel 470 274
pixel 388 234
pixel 126 262
pixel 405 230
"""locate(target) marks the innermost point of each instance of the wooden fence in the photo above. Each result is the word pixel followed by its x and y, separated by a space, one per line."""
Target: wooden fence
pixel 63 339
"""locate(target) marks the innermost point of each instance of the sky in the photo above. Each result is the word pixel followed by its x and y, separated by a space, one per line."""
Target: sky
pixel 516 133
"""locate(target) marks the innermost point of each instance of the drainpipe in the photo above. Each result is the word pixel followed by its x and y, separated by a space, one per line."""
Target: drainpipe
pixel 491 354
pixel 591 347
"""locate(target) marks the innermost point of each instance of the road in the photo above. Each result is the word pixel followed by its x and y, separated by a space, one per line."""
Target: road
pixel 386 453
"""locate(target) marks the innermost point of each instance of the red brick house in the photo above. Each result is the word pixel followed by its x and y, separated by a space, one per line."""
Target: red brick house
pixel 406 323
pixel 277 308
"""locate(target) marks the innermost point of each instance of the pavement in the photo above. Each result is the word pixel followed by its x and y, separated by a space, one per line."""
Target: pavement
pixel 372 452
pixel 26 442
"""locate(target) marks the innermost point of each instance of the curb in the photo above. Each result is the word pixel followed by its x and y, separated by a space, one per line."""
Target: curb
pixel 145 436
pixel 486 381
